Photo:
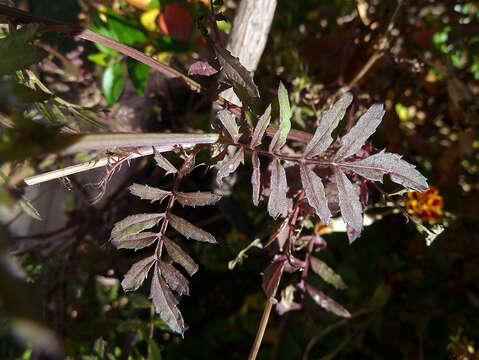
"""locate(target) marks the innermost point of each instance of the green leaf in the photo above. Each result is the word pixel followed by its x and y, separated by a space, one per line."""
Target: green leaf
pixel 284 114
pixel 166 43
pixel 154 4
pixel 99 58
pixel 101 28
pixel 112 83
pixel 21 53
pixel 126 31
pixel 153 350
pixel 138 73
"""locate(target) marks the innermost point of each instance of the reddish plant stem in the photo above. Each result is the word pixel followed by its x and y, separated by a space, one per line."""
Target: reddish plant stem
pixel 297 159
pixel 171 201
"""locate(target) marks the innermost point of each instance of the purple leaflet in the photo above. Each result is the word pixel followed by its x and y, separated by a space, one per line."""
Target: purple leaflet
pixel 235 71
pixel 329 121
pixel 136 241
pixel 175 280
pixel 144 192
pixel 177 254
pixel 230 166
pixel 256 178
pixel 375 166
pixel 196 198
pixel 326 273
pixel 272 276
pixel 357 136
pixel 261 127
pixel 229 123
pixel 137 274
pixel 133 224
pixel 165 164
pixel 349 203
pixel 165 303
pixel 314 190
pixel 277 202
pixel 203 68
pixel 188 230
pixel 326 302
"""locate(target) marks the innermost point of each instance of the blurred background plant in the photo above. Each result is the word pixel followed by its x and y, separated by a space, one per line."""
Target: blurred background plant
pixel 407 300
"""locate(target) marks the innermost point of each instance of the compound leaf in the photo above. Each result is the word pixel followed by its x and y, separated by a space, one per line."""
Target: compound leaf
pixel 329 121
pixel 349 203
pixel 175 280
pixel 133 224
pixel 375 166
pixel 145 192
pixel 177 254
pixel 277 202
pixel 165 303
pixel 314 191
pixel 326 273
pixel 261 127
pixel 364 128
pixel 229 122
pixel 165 164
pixel 136 241
pixel 188 230
pixel 256 178
pixel 230 165
pixel 326 302
pixel 137 274
pixel 196 198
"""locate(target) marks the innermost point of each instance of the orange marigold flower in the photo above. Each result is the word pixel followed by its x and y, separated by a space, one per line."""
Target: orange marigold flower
pixel 426 205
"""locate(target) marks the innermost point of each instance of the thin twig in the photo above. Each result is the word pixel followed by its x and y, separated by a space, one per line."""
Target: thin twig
pixel 383 45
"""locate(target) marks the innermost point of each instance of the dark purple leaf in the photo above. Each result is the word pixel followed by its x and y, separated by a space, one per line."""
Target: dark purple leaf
pixel 272 276
pixel 375 166
pixel 326 273
pixel 230 165
pixel 134 224
pixel 165 304
pixel 277 202
pixel 229 123
pixel 326 302
pixel 256 178
pixel 137 274
pixel 236 72
pixel 177 254
pixel 188 230
pixel 196 198
pixel 165 164
pixel 175 280
pixel 357 136
pixel 137 241
pixel 145 192
pixel 203 68
pixel 329 121
pixel 349 203
pixel 261 127
pixel 314 191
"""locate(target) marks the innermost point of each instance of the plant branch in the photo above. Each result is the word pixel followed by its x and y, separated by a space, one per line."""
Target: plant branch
pixel 383 45
pixel 261 328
